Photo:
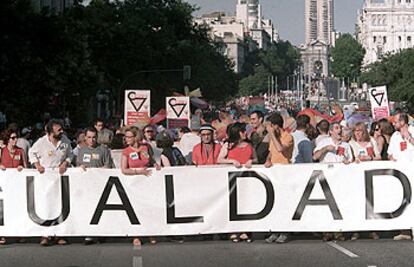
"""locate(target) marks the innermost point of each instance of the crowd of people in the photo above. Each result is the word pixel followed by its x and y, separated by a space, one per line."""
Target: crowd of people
pixel 250 139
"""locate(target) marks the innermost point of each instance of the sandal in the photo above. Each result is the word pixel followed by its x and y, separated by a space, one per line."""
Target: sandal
pixel 234 238
pixel 245 237
pixel 136 242
pixel 3 241
pixel 61 242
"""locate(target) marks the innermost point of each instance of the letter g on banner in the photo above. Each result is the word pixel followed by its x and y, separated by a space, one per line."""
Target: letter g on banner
pixel 270 196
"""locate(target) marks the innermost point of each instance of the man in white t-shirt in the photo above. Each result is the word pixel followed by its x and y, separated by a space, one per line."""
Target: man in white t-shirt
pixel 401 146
pixel 333 149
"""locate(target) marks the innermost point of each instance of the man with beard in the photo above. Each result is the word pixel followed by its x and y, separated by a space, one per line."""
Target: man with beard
pixel 51 151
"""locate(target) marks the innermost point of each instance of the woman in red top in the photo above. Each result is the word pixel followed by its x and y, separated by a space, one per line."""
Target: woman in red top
pixel 11 156
pixel 237 152
pixel 136 158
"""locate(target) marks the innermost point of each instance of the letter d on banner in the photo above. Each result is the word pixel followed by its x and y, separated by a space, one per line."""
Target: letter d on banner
pixel 270 196
pixel 369 193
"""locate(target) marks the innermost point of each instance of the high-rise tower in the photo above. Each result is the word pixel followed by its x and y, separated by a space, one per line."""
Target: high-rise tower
pixel 319 21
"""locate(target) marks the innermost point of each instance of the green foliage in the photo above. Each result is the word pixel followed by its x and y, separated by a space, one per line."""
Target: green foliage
pixel 280 60
pixel 347 56
pixel 395 71
pixel 104 45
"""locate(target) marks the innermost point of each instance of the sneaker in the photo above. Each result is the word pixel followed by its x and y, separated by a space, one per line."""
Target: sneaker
pixel 327 237
pixel 89 241
pixel 402 237
pixel 45 241
pixel 354 236
pixel 374 236
pixel 282 238
pixel 272 238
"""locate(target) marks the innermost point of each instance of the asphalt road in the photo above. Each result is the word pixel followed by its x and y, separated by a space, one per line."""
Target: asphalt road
pixel 311 252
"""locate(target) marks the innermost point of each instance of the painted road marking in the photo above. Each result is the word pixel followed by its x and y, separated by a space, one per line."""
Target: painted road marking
pixel 343 250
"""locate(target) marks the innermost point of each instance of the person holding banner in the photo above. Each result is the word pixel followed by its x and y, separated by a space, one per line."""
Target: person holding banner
pixel 238 152
pixel 333 149
pixel 11 156
pixel 364 147
pixel 52 151
pixel 401 148
pixel 281 147
pixel 206 152
pixel 135 160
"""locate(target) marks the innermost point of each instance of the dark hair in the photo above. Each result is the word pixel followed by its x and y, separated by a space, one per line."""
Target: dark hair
pixel 51 123
pixel 404 117
pixel 333 124
pixel 184 129
pixel 276 119
pixel 98 120
pixel 147 126
pixel 302 121
pixel 323 126
pixel 372 128
pixel 386 127
pixel 91 129
pixel 164 140
pixel 233 132
pixel 117 141
pixel 5 135
pixel 258 113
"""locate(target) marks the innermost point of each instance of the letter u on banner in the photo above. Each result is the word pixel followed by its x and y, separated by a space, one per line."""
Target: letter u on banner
pixel 31 207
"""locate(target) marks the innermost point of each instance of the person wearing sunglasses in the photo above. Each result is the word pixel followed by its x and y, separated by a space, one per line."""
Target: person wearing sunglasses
pixel 11 155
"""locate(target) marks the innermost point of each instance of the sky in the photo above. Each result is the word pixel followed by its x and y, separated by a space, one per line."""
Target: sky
pixel 288 16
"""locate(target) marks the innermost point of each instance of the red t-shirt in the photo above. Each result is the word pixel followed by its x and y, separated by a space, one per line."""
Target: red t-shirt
pixel 9 161
pixel 200 154
pixel 137 158
pixel 241 154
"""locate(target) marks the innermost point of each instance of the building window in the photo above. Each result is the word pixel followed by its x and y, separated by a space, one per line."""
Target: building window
pixel 375 39
pixel 408 1
pixel 409 39
pixel 384 40
pixel 399 38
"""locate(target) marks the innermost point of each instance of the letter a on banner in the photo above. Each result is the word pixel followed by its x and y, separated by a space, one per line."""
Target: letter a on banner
pixel 178 111
pixel 137 107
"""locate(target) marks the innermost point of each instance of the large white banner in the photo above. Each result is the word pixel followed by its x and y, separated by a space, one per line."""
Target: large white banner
pixel 193 200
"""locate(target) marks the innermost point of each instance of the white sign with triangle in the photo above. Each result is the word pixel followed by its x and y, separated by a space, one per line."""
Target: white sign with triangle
pixel 137 107
pixel 379 102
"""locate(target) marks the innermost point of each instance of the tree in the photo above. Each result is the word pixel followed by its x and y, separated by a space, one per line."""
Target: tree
pixel 58 63
pixel 347 56
pixel 280 60
pixel 395 71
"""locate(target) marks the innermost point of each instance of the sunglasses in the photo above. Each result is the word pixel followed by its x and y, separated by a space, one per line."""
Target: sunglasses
pixel 13 137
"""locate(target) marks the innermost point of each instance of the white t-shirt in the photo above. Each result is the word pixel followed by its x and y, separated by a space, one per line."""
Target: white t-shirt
pixel 342 151
pixel 400 149
pixel 359 150
pixel 49 155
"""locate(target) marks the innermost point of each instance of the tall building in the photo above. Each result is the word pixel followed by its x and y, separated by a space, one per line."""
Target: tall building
pixel 244 32
pixel 385 26
pixel 319 21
